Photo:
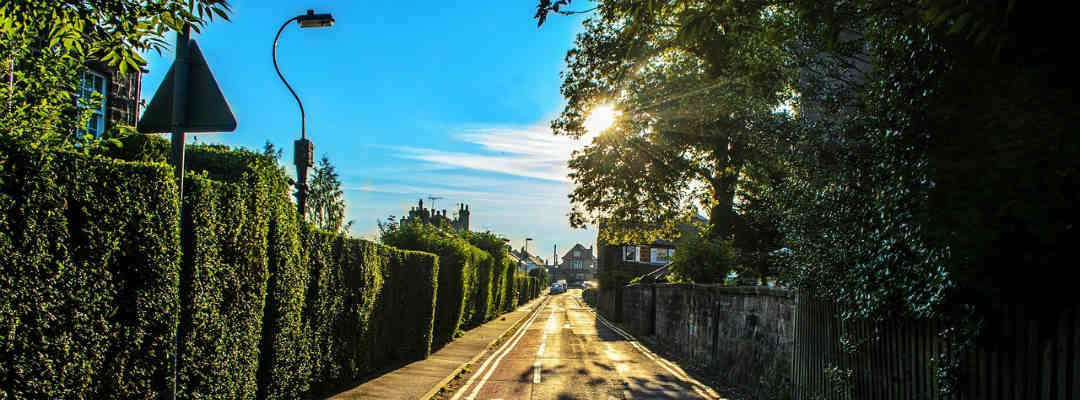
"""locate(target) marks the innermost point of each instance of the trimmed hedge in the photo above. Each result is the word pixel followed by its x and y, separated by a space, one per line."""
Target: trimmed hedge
pixel 284 360
pixel 498 268
pixel 224 278
pixel 88 276
pixel 510 287
pixel 528 288
pixel 336 309
pixel 92 268
pixel 368 306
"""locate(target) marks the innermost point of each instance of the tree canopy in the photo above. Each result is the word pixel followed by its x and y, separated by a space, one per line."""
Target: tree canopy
pixel 45 44
pixel 326 200
pixel 915 158
pixel 695 85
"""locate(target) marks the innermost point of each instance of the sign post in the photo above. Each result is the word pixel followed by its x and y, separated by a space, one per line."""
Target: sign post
pixel 188 100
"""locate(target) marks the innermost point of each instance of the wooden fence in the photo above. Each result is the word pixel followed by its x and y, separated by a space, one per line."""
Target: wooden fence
pixel 1017 357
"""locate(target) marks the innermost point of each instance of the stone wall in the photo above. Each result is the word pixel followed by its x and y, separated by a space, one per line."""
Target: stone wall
pixel 739 333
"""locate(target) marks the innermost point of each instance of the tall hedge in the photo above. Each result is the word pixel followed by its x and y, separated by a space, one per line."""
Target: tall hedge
pixel 224 279
pixel 528 288
pixel 285 350
pixel 336 309
pixel 478 308
pixel 92 270
pixel 495 247
pixel 88 275
pixel 510 288
pixel 458 273
pixel 368 306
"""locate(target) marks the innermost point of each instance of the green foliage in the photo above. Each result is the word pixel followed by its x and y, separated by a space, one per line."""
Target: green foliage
pixel 463 297
pixel 501 269
pixel 694 81
pixel 285 351
pixel 702 258
pixel 224 275
pixel 326 200
pixel 45 44
pixel 88 288
pixel 335 307
pixel 124 143
pixel 541 276
pixel 368 306
pixel 510 289
pixel 273 309
pixel 528 288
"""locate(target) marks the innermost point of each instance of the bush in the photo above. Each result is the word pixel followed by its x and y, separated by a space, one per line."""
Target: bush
pixel 336 309
pixel 89 285
pixel 88 275
pixel 368 306
pixel 496 248
pixel 224 279
pixel 510 290
pixel 703 259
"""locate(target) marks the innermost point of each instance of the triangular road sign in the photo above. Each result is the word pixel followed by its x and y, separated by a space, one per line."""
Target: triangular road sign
pixel 207 109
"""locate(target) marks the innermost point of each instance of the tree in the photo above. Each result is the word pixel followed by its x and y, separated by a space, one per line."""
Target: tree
pixel 695 84
pixel 326 200
pixel 45 44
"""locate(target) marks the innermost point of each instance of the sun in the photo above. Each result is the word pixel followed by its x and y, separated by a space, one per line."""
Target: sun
pixel 600 118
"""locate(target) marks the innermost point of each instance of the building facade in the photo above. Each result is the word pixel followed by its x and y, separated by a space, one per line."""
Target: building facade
pixel 459 221
pixel 121 97
pixel 577 265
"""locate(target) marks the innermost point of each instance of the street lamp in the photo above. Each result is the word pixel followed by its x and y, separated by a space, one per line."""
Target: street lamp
pixel 303 150
pixel 526 255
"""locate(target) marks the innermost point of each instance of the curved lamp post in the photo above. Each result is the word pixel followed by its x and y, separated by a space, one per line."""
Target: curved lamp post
pixel 526 253
pixel 303 150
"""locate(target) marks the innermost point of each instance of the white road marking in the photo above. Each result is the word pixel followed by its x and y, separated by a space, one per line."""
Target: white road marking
pixel 536 371
pixel 700 389
pixel 503 350
pixel 541 350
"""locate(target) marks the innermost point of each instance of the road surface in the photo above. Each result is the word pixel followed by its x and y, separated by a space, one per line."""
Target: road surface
pixel 565 351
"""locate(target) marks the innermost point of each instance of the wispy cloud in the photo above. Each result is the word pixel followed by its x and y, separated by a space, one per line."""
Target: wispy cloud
pixel 531 152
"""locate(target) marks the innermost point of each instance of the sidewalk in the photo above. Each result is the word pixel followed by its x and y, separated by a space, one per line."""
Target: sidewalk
pixel 423 379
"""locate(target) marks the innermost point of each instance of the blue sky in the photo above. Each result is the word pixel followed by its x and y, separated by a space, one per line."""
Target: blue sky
pixel 409 100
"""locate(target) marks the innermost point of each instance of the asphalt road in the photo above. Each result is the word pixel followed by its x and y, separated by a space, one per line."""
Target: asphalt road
pixel 564 351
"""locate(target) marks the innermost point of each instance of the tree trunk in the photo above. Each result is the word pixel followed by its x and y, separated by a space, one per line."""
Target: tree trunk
pixel 722 217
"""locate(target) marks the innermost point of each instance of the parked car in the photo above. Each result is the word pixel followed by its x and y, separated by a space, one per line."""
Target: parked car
pixel 557 288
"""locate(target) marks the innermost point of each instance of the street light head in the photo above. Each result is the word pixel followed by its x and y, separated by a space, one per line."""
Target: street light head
pixel 313 20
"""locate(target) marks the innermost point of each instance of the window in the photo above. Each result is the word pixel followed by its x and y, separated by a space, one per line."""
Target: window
pixel 92 82
pixel 662 255
pixel 577 253
pixel 630 253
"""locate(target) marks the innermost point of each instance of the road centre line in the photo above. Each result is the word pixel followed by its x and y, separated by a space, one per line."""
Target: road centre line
pixel 536 371
pixel 502 349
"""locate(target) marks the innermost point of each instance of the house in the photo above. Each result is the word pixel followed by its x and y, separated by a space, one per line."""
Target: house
pixel 121 93
pixel 527 262
pixel 459 221
pixel 618 263
pixel 578 264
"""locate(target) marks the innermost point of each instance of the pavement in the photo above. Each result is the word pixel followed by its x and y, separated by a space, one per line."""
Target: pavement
pixel 566 351
pixel 423 379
